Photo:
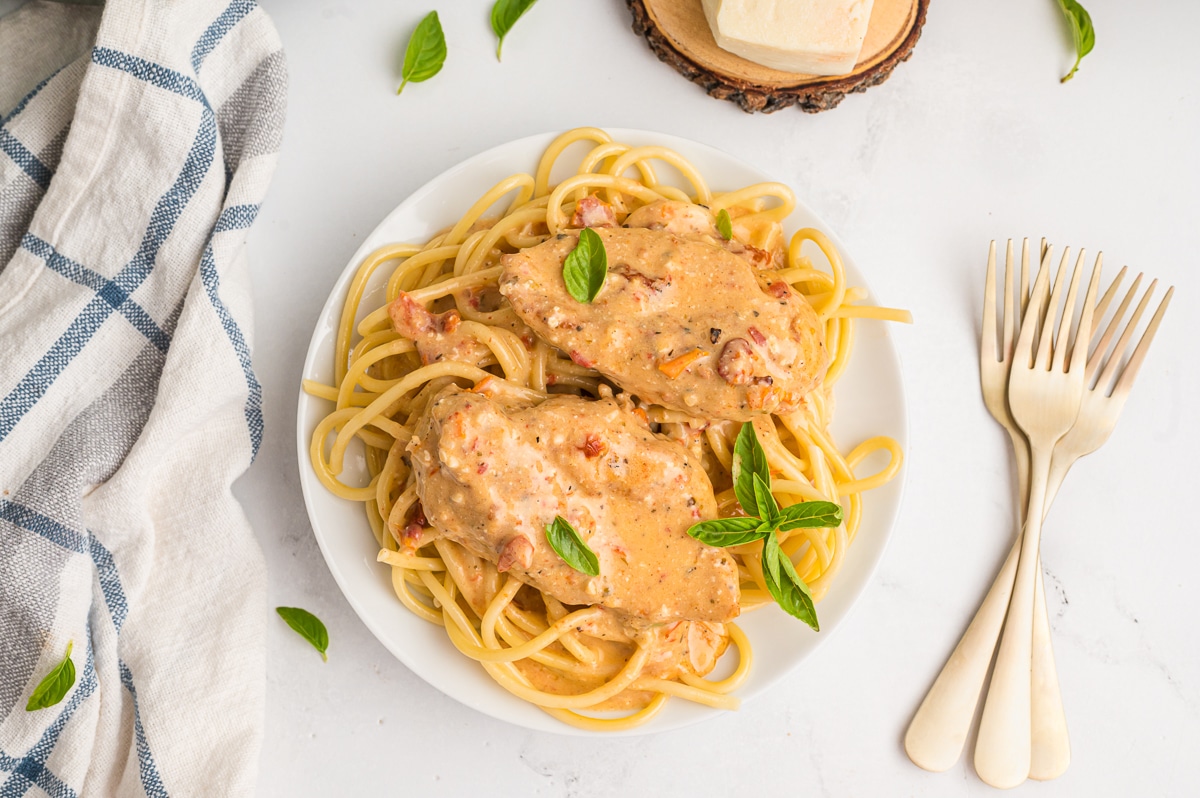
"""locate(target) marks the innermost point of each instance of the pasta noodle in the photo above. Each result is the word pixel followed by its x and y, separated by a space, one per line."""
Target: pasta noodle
pixel 381 387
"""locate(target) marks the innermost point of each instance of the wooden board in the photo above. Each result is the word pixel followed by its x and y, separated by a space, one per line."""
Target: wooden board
pixel 678 33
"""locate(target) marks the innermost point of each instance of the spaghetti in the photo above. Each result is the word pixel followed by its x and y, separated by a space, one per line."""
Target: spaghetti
pixel 535 649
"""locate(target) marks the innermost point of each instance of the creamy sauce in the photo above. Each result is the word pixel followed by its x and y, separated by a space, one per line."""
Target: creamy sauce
pixel 437 336
pixel 681 321
pixel 491 478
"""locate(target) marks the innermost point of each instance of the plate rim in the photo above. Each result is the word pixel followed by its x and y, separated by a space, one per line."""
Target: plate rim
pixel 332 306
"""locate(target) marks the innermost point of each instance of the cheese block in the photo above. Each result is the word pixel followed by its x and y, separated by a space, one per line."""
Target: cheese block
pixel 815 37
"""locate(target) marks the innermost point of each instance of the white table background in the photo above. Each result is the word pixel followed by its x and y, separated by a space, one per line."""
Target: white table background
pixel 973 139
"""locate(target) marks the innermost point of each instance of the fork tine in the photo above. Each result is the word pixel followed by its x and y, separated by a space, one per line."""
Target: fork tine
pixel 1049 311
pixel 1114 324
pixel 987 339
pixel 1083 334
pixel 1107 298
pixel 1023 292
pixel 1007 343
pixel 1125 383
pixel 1063 334
pixel 1031 319
pixel 1045 294
pixel 1114 359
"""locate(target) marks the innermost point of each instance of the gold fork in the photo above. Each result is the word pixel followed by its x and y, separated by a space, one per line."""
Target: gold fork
pixel 1045 391
pixel 938 731
pixel 1098 413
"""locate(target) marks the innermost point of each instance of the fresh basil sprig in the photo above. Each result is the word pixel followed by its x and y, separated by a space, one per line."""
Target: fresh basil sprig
pixel 723 532
pixel 1081 31
pixel 504 15
pixel 56 684
pixel 425 53
pixel 749 461
pixel 586 267
pixel 788 589
pixel 810 515
pixel 570 547
pixel 752 486
pixel 308 626
pixel 724 224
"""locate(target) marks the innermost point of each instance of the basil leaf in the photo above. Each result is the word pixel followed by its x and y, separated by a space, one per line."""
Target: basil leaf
pixel 749 460
pixel 425 53
pixel 504 15
pixel 788 589
pixel 307 626
pixel 728 531
pixel 770 559
pixel 810 515
pixel 1081 31
pixel 570 547
pixel 586 268
pixel 56 684
pixel 768 509
pixel 724 224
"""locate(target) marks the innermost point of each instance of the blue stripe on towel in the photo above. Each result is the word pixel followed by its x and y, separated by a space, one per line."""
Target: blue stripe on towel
pixel 110 582
pixel 150 72
pixel 136 315
pixel 217 30
pixel 26 772
pixel 75 272
pixel 151 781
pixel 33 521
pixel 110 291
pixel 118 608
pixel 236 217
pixel 212 284
pixel 61 535
pixel 38 172
pixel 19 107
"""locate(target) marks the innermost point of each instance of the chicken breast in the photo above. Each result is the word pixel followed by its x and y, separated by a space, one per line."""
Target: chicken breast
pixel 491 478
pixel 681 321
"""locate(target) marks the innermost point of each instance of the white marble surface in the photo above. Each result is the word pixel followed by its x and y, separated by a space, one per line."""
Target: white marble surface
pixel 973 139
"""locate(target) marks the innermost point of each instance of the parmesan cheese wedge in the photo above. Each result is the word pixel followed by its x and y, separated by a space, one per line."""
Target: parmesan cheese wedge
pixel 816 37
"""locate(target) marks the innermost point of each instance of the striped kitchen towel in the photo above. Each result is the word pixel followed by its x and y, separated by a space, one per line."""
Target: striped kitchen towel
pixel 136 143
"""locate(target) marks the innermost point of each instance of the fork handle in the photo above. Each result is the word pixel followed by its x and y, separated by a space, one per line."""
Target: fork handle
pixel 938 731
pixel 1002 751
pixel 1050 752
pixel 1051 749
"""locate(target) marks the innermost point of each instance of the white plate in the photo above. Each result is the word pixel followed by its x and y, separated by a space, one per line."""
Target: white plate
pixel 869 401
